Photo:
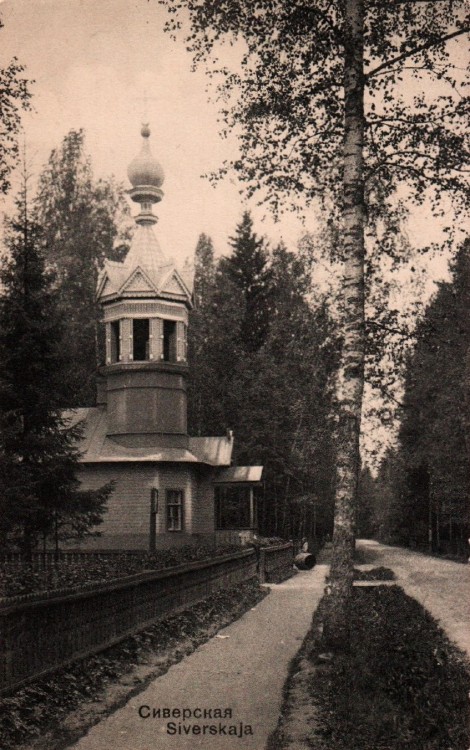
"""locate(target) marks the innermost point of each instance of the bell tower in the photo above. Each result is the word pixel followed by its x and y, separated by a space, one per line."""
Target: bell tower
pixel 145 302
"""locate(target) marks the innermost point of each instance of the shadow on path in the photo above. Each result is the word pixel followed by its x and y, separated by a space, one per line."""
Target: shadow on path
pixel 441 586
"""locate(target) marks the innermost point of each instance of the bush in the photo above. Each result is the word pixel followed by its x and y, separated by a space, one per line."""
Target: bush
pixel 376 574
pixel 17 579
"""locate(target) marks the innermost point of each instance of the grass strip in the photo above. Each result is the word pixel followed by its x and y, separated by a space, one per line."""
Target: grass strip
pixel 376 574
pixel 401 686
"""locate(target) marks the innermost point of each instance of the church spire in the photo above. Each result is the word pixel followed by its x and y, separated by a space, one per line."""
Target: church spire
pixel 146 177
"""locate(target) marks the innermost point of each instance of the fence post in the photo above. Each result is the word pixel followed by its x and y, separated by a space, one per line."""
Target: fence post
pixel 262 565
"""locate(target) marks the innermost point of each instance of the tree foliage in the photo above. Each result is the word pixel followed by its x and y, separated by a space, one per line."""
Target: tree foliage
pixel 84 221
pixel 320 112
pixel 278 397
pixel 247 266
pixel 213 343
pixel 433 435
pixel 422 491
pixel 287 98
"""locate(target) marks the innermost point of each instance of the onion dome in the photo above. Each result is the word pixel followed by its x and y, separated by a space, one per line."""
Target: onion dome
pixel 145 169
pixel 146 177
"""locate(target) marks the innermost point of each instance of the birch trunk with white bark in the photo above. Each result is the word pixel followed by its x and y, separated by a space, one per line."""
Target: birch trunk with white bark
pixel 351 378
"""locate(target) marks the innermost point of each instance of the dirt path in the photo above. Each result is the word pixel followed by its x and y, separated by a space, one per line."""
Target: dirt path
pixel 441 586
pixel 242 669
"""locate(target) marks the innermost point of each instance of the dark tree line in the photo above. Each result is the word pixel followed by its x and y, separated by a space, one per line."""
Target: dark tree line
pixel 422 492
pixel 262 361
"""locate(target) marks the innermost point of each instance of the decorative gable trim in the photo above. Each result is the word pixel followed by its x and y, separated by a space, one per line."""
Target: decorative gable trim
pixel 137 283
pixel 173 284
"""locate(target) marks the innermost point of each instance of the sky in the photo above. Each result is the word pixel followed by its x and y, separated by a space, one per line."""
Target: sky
pixel 93 63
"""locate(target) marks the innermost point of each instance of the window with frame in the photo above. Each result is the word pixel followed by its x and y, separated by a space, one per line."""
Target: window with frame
pixel 174 510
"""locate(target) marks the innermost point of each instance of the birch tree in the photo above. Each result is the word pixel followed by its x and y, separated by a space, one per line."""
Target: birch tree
pixel 15 96
pixel 322 114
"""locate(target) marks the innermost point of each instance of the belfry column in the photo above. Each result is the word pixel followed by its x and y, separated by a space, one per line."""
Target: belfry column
pixel 145 302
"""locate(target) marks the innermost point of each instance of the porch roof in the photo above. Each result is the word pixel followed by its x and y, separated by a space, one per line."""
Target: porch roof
pixel 239 475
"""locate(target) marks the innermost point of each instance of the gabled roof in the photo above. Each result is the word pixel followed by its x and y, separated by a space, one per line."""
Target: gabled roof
pixel 97 447
pixel 173 283
pixel 138 282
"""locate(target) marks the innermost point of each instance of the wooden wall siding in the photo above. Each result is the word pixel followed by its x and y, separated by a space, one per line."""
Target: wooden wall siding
pixel 127 520
pixel 156 339
pixel 203 504
pixel 126 339
pixel 40 635
pixel 180 342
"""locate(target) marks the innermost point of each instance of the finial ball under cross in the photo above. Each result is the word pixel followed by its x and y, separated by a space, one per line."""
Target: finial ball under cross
pixel 145 131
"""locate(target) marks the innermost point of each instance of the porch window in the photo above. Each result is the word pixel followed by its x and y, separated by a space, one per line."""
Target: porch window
pixel 174 510
pixel 141 339
pixel 234 508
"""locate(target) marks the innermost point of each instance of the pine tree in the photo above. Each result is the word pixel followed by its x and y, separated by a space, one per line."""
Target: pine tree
pixel 38 448
pixel 84 222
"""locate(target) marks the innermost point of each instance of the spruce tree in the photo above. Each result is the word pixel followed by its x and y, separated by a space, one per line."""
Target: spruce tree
pixel 214 343
pixel 40 493
pixel 278 398
pixel 249 270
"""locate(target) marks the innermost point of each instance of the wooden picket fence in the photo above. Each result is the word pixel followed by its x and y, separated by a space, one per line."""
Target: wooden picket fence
pixel 40 633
